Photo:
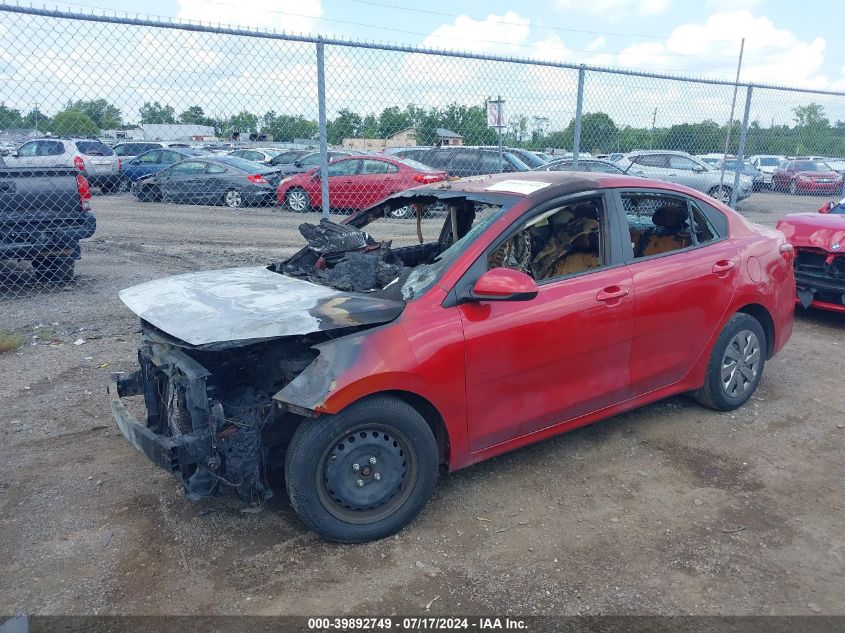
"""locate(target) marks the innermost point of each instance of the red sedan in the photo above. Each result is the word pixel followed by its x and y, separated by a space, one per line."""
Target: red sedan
pixel 819 242
pixel 355 183
pixel 542 303
pixel 806 176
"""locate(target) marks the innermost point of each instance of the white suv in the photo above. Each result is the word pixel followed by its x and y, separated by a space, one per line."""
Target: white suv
pixel 93 159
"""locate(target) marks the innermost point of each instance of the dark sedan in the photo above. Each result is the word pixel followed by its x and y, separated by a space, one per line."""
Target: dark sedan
pixel 584 164
pixel 233 182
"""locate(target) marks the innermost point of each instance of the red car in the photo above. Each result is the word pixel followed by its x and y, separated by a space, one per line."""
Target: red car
pixel 818 240
pixel 806 176
pixel 542 303
pixel 355 183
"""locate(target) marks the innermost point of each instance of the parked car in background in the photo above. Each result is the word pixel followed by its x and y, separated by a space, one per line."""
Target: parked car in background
pixel 262 155
pixel 806 176
pixel 466 161
pixel 44 213
pixel 153 161
pixel 306 161
pixel 524 316
pixel 233 182
pixel 130 149
pixel 584 164
pixel 819 243
pixel 766 163
pixel 837 165
pixel 746 169
pixel 684 169
pixel 711 159
pixel 91 158
pixel 356 182
pixel 531 159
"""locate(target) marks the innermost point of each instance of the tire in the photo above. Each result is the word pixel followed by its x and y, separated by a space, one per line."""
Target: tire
pixel 736 364
pixel 233 199
pixel 296 198
pixel 339 492
pixel 55 270
pixel 403 212
pixel 793 187
pixel 147 194
pixel 722 193
pixel 108 187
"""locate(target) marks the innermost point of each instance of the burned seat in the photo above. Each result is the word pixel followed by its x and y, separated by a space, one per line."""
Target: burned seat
pixel 671 231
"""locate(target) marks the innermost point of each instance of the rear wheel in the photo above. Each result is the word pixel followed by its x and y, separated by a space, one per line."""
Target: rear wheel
pixel 793 187
pixel 297 200
pixel 233 199
pixel 736 364
pixel 54 269
pixel 402 212
pixel 147 193
pixel 364 473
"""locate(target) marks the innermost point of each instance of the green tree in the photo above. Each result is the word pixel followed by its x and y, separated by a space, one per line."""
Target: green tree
pixel 156 113
pixel 9 118
pixel 393 120
pixel 101 112
pixel 347 124
pixel 37 120
pixel 598 132
pixel 73 123
pixel 194 115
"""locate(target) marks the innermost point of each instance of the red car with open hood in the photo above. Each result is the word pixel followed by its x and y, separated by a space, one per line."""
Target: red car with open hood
pixel 819 243
pixel 368 361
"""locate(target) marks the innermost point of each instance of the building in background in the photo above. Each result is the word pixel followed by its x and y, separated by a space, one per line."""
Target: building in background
pixel 402 138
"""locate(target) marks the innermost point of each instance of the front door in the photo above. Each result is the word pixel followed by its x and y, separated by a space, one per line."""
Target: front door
pixel 533 364
pixel 684 274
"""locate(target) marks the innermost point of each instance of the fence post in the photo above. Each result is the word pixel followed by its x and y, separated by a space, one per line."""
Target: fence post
pixel 579 104
pixel 740 152
pixel 324 151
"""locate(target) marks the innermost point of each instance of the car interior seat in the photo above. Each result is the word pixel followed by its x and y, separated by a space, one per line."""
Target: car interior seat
pixel 671 230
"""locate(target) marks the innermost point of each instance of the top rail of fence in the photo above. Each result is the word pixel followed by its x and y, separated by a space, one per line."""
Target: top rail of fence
pixel 172 23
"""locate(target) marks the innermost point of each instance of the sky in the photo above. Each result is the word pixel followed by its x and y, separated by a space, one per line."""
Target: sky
pixel 783 45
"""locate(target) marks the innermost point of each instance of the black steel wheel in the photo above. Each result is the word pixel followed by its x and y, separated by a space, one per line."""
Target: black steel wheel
pixel 364 473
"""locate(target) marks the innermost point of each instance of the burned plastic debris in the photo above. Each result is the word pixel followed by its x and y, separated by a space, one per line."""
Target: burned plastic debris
pixel 347 258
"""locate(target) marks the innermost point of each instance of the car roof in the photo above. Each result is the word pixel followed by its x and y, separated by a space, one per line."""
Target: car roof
pixel 640 152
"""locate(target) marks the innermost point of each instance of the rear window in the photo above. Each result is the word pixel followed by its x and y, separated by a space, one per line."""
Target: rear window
pixel 94 148
pixel 238 163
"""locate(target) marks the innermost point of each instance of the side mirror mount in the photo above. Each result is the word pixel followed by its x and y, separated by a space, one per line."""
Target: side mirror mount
pixel 697 168
pixel 826 207
pixel 504 284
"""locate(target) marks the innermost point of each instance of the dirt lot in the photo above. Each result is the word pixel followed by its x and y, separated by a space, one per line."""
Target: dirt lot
pixel 669 509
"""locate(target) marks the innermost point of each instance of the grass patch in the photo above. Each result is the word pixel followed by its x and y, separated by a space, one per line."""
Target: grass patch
pixel 10 341
pixel 46 334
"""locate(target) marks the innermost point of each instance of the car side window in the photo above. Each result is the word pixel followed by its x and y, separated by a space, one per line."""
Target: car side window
pixel 28 149
pixel 681 162
pixel 563 241
pixel 150 158
pixel 189 167
pixel 214 168
pixel 312 159
pixel 168 157
pixel 343 168
pixel 121 150
pixel 651 160
pixel 657 223
pixel 702 229
pixel 51 148
pixel 374 167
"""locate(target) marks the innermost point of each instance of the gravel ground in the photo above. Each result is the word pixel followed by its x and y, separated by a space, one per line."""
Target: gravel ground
pixel 669 509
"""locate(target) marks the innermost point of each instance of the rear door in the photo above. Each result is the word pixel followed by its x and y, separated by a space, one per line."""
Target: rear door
pixel 182 182
pixel 651 166
pixel 25 156
pixel 342 183
pixel 375 182
pixel 684 272
pixel 687 172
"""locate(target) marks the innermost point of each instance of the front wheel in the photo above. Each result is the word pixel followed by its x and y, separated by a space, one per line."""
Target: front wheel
pixel 736 364
pixel 364 473
pixel 147 193
pixel 721 193
pixel 297 200
pixel 793 187
pixel 55 270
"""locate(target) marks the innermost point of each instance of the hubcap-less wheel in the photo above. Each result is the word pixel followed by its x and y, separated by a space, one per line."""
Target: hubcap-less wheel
pixel 793 188
pixel 722 194
pixel 366 474
pixel 402 212
pixel 297 200
pixel 741 364
pixel 233 199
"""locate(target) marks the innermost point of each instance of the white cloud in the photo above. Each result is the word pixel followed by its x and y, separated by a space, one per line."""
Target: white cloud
pixel 615 8
pixel 732 5
pixel 292 16
pixel 481 36
pixel 772 54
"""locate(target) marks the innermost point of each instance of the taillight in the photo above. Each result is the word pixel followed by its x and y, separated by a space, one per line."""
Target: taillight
pixel 79 163
pixel 84 192
pixel 257 179
pixel 787 251
pixel 427 178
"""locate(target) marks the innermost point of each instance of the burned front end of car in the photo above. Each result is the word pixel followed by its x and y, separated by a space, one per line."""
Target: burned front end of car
pixel 820 277
pixel 210 417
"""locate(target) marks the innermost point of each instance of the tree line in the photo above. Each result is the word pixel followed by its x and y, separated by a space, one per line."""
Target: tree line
pixel 811 131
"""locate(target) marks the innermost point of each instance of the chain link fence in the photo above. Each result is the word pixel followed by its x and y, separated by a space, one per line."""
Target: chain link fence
pixel 213 130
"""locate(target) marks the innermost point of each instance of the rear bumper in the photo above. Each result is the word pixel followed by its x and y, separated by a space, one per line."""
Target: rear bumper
pixel 59 241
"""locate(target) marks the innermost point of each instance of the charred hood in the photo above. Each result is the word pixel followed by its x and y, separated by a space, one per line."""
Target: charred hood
pixel 250 304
